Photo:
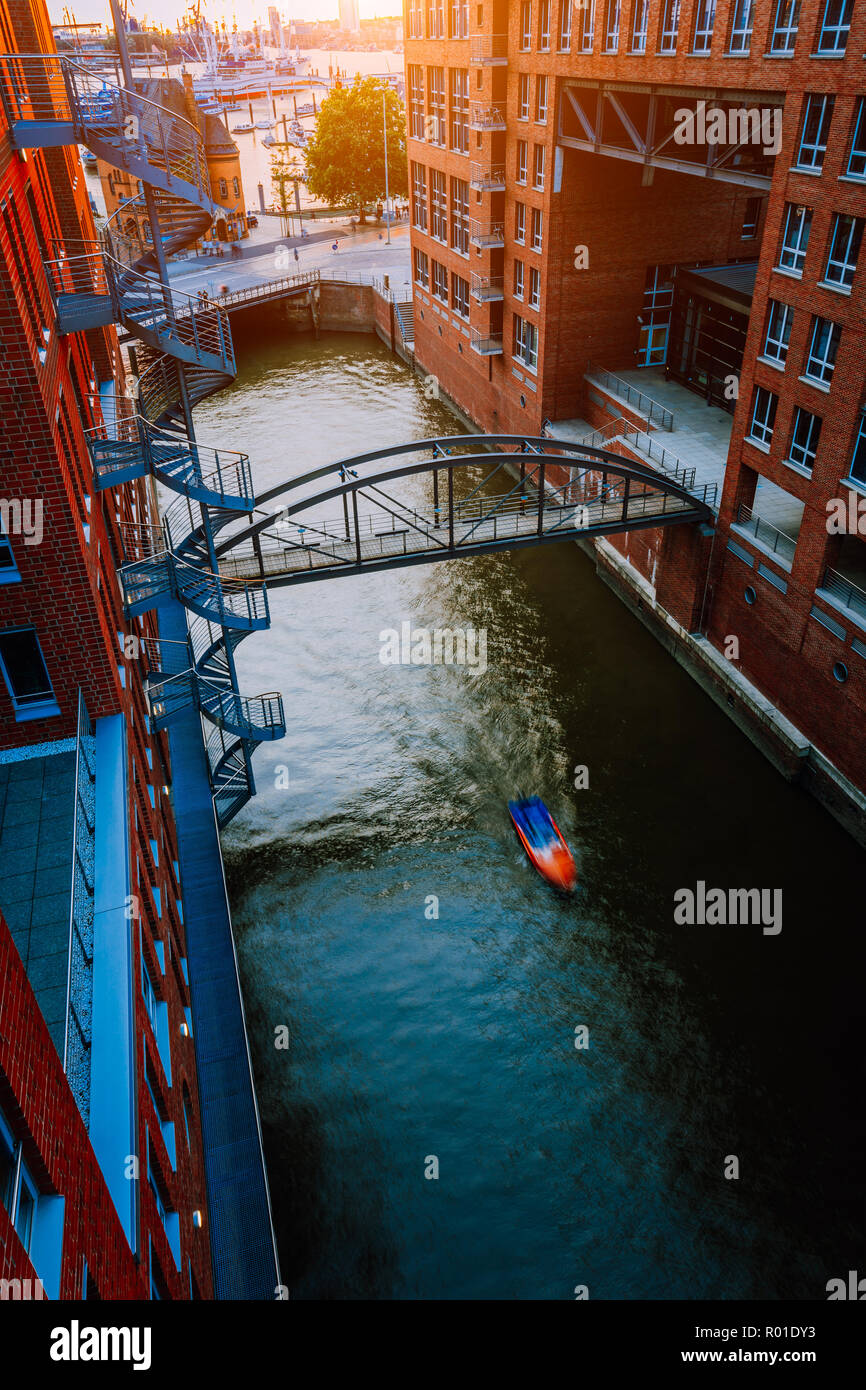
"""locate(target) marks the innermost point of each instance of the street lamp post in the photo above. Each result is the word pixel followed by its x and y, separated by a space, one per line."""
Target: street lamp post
pixel 385 135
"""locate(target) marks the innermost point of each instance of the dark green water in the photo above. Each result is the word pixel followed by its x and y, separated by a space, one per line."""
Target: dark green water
pixel 454 1037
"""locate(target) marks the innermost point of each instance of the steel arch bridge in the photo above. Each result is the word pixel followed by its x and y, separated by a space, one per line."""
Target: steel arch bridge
pixel 489 493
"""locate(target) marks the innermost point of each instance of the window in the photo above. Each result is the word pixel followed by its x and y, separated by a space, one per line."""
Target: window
pixel 611 26
pixel 857 158
pixel 538 167
pixel 763 415
pixel 525 26
pixel 751 218
pixel 742 24
pixel 224 189
pixel 25 675
pixel 537 216
pixel 8 569
pixel 639 26
pixel 419 197
pixel 416 20
pixel 436 19
pixel 534 288
pixel 541 99
pixel 544 26
pixel 833 35
pixel 523 97
pixel 18 1191
pixel 459 19
pixel 187 1116
pixel 460 295
pixel 520 223
pixel 440 282
pixel 705 18
pixel 787 20
pixel 816 127
pixel 522 156
pixel 779 320
pixel 858 458
pixel 670 27
pixel 587 26
pixel 804 439
pixel 795 238
pixel 460 110
pixel 436 106
pixel 149 995
pixel 518 279
pixel 416 101
pixel 438 206
pixel 236 188
pixel 526 342
pixel 565 26
pixel 460 216
pixel 422 274
pixel 845 240
pixel 823 347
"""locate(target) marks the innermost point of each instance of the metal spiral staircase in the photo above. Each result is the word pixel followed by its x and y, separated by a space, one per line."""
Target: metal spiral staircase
pixel 186 344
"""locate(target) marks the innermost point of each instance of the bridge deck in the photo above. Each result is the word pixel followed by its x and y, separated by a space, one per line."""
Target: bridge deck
pixel 321 549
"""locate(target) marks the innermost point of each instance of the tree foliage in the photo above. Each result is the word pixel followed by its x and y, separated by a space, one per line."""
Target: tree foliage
pixel 346 158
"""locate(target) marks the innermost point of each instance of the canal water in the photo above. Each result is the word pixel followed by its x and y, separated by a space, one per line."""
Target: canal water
pixel 416 1037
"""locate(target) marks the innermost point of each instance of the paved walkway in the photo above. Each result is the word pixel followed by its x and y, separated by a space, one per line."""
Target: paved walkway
pixel 360 253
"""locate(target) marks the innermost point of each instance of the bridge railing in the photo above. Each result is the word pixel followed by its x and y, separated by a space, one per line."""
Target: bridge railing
pixel 268 288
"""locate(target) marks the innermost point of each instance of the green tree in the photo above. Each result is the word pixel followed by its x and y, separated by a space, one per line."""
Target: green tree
pixel 346 157
pixel 286 172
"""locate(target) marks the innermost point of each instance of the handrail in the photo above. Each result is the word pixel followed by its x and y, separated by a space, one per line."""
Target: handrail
pixel 850 595
pixel 652 408
pixel 79 977
pixel 770 536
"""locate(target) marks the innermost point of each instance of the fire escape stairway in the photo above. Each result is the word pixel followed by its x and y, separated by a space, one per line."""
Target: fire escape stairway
pixel 185 349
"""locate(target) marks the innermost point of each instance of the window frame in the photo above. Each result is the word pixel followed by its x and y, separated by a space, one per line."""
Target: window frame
pixel 796 250
pixel 777 334
pixel 814 147
pixel 761 431
pixel 787 30
pixel 837 29
pixel 848 268
pixel 39 706
pixel 809 448
pixel 825 361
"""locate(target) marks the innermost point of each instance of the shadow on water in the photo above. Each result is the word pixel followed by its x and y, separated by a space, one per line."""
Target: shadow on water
pixel 451 1033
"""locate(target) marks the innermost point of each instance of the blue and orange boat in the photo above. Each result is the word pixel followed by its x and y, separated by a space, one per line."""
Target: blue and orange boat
pixel 542 839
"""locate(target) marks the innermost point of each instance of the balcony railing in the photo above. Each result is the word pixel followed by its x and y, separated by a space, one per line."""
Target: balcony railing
pixel 487 178
pixel 489 50
pixel 485 288
pixel 487 234
pixel 483 117
pixel 769 536
pixel 849 595
pixel 486 346
pixel 79 981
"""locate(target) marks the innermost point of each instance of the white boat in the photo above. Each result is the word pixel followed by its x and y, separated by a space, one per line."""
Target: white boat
pixel 264 125
pixel 269 140
pixel 243 128
pixel 233 72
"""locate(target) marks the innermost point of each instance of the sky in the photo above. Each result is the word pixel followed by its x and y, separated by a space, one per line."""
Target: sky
pixel 166 12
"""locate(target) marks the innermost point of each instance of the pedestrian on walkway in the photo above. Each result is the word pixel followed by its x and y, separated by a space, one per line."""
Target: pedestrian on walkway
pixel 335 246
pixel 297 257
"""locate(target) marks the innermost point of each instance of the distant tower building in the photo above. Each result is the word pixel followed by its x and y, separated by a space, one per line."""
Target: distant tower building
pixel 275 26
pixel 349 17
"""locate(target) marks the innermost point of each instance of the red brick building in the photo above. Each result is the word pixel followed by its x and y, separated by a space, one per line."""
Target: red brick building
pixel 102 1180
pixel 640 222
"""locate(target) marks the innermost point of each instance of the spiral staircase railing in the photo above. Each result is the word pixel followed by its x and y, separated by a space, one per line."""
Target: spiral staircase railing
pixel 187 347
